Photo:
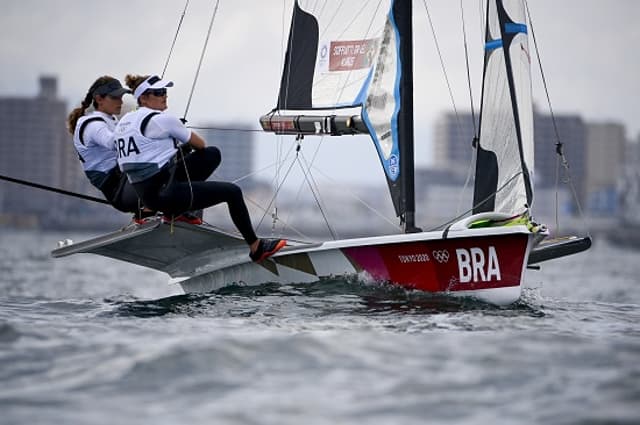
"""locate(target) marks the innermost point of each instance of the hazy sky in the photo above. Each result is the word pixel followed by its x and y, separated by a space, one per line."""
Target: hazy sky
pixel 589 51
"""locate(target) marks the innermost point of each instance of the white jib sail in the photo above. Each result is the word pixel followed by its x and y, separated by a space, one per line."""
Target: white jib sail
pixel 505 108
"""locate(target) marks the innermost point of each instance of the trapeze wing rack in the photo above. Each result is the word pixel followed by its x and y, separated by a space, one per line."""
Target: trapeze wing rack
pixel 333 125
pixel 550 249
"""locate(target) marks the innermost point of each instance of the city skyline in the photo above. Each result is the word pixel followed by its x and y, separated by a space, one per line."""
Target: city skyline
pixel 241 69
pixel 596 167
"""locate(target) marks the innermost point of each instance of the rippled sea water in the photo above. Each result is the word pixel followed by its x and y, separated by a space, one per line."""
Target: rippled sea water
pixel 88 340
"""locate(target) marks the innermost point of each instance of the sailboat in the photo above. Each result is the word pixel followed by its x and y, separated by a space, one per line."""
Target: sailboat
pixel 348 70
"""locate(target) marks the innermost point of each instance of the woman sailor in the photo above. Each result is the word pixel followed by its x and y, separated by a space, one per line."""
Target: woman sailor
pixel 93 140
pixel 151 146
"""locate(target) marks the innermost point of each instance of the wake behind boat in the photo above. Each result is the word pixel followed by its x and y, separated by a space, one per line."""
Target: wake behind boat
pixel 347 57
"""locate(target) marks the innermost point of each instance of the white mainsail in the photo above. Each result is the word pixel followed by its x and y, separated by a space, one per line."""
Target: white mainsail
pixel 346 54
pixel 347 40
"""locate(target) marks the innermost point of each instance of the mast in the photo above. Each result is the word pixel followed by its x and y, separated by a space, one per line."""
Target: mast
pixel 402 12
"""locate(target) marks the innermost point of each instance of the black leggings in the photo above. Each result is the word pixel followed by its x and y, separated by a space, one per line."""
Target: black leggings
pixel 119 192
pixel 179 195
pixel 126 200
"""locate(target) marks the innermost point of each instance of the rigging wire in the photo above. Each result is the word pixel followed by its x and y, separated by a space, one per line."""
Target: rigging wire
pixel 310 164
pixel 339 94
pixel 354 196
pixel 275 195
pixel 459 216
pixel 54 189
pixel 444 69
pixel 257 204
pixel 204 49
pixel 316 196
pixel 561 160
pixel 453 103
pixel 246 130
pixel 476 136
pixel 175 37
pixel 466 57
pixel 280 138
pixel 193 87
pixel 260 207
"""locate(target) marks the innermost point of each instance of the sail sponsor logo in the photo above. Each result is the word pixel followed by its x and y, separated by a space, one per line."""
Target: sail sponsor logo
pixel 350 55
pixel 394 166
pixel 476 265
pixel 414 258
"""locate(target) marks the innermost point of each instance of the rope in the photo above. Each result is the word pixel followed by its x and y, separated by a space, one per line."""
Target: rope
pixel 252 130
pixel 372 209
pixel 544 79
pixel 314 188
pixel 186 171
pixel 473 113
pixel 466 57
pixel 275 195
pixel 204 49
pixel 193 87
pixel 56 190
pixel 444 69
pixel 175 37
pixel 453 103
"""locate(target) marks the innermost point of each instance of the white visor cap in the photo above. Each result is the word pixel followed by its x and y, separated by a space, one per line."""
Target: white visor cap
pixel 153 82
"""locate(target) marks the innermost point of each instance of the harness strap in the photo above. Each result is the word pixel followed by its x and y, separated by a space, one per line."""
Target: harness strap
pixel 172 165
pixel 85 124
pixel 81 132
pixel 145 121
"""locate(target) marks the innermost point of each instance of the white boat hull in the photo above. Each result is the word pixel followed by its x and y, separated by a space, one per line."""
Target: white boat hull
pixel 486 263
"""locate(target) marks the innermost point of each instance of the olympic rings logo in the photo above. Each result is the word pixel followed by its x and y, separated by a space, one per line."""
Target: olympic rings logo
pixel 441 256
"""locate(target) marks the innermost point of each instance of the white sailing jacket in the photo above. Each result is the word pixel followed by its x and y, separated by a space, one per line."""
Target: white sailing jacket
pixel 145 141
pixel 93 140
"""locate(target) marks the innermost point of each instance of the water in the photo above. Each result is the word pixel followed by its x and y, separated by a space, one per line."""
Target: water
pixel 87 340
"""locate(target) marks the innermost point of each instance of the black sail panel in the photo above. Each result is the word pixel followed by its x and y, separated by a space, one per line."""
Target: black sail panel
pixel 484 199
pixel 300 60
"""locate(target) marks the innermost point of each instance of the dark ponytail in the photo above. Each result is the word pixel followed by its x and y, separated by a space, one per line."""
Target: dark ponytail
pixel 75 115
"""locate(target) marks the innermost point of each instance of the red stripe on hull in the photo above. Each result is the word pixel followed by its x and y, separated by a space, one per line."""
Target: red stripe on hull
pixel 462 264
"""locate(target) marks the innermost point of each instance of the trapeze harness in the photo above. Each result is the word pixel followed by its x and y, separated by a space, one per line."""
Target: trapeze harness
pixel 99 162
pixel 167 180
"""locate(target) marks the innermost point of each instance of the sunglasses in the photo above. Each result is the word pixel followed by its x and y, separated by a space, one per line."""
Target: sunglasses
pixel 157 92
